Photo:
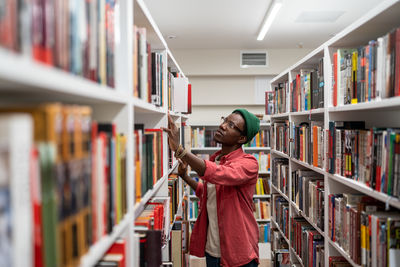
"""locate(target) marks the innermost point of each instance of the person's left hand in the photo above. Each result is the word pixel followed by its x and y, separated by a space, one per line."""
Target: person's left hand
pixel 173 134
pixel 182 168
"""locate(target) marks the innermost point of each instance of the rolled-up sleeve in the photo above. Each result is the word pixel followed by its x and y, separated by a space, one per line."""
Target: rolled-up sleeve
pixel 237 172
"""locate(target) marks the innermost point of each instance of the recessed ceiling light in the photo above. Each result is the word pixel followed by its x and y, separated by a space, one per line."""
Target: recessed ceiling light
pixel 323 16
pixel 171 36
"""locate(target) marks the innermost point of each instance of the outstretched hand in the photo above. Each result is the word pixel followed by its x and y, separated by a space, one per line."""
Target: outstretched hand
pixel 173 134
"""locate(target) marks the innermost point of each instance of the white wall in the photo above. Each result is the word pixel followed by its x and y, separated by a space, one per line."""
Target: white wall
pixel 212 114
pixel 227 62
pixel 219 85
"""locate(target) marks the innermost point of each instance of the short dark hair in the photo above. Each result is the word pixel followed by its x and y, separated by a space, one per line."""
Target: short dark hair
pixel 244 132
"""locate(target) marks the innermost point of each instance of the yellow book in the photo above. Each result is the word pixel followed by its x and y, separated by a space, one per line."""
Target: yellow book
pixel 354 76
pixel 262 191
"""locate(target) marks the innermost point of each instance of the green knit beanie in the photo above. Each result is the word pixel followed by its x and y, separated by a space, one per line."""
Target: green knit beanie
pixel 252 123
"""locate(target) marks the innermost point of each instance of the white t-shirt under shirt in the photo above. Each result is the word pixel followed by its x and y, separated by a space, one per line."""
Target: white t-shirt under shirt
pixel 212 245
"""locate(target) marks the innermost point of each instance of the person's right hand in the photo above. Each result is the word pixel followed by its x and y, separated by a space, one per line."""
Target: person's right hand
pixel 182 168
pixel 173 134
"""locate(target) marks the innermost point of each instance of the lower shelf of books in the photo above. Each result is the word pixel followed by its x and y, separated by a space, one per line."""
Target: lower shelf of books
pixel 97 250
pixel 343 253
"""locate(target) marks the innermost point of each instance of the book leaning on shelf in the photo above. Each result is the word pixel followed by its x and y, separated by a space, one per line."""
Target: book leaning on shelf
pixel 369 72
pixel 76 173
pixel 78 38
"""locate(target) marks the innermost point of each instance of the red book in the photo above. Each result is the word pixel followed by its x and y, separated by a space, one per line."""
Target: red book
pixel 36 209
pixel 94 182
pixel 335 64
pixel 189 99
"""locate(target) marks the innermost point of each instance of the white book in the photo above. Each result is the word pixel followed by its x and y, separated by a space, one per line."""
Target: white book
pixel 100 189
pixel 143 64
pixel 380 70
pixel 16 134
pixel 181 94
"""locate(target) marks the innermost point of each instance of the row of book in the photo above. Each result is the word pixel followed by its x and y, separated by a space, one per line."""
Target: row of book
pixel 369 72
pixel 280 174
pixel 364 229
pixel 175 188
pixel 366 155
pixel 280 136
pixel 72 173
pixel 307 242
pixel 262 187
pixel 115 255
pixel 78 38
pixel 264 232
pixel 280 213
pixel 202 137
pixel 308 142
pixel 149 167
pixel 263 161
pixel 307 89
pixel 262 139
pixel 193 209
pixel 261 209
pixel 308 195
pixel 276 101
pixel 148 70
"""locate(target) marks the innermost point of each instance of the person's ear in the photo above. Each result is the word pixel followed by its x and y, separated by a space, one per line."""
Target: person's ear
pixel 242 139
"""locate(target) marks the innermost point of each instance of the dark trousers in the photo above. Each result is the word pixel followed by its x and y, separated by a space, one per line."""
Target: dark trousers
pixel 216 262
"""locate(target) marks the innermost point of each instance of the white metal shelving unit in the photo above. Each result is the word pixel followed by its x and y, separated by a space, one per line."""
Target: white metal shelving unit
pixel 25 81
pixel 384 113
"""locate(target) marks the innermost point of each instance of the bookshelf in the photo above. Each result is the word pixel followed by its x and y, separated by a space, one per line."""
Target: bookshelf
pixel 375 113
pixel 26 82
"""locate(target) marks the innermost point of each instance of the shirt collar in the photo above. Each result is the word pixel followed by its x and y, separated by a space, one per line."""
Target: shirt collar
pixel 234 154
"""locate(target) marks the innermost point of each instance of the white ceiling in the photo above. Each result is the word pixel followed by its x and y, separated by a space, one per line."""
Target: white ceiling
pixel 234 24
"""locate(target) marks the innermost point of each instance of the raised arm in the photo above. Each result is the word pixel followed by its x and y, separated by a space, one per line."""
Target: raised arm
pixel 195 162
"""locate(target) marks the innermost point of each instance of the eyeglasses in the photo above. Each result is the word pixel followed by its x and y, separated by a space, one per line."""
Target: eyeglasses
pixel 231 125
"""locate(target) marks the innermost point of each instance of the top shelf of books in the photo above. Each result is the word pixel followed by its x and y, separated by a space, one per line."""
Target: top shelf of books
pixel 19 75
pixel 355 70
pixel 143 18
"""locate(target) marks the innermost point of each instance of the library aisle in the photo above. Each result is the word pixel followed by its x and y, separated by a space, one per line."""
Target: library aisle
pixel 87 175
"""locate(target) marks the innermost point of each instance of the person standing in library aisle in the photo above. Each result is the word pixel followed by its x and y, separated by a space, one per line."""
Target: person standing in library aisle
pixel 225 232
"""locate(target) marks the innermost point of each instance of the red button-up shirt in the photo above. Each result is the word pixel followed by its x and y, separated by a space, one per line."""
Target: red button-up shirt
pixel 235 179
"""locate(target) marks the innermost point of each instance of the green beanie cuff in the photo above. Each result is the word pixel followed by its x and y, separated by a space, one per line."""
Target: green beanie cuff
pixel 252 123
